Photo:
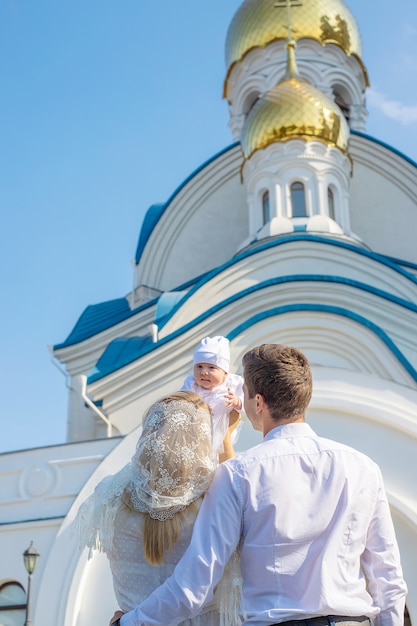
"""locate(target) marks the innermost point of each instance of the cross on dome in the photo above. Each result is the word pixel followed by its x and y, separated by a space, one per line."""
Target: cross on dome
pixel 282 4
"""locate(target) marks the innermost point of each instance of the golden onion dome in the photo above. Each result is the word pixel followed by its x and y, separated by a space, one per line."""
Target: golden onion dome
pixel 294 109
pixel 259 22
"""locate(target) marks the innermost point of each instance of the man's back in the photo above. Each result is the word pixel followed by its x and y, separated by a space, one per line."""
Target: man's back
pixel 308 506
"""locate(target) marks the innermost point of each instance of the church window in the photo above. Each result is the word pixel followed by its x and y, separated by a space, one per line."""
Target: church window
pixel 250 102
pixel 266 212
pixel 342 100
pixel 330 203
pixel 298 200
pixel 12 603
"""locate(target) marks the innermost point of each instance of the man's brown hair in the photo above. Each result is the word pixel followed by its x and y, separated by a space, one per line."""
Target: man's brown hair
pixel 282 376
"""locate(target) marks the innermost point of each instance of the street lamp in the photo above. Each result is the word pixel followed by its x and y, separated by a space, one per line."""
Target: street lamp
pixel 30 559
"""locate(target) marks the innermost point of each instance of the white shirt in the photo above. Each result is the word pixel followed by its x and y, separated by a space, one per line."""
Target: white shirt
pixel 311 515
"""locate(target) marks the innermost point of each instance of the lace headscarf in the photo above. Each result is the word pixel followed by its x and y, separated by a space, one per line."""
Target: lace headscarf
pixel 172 467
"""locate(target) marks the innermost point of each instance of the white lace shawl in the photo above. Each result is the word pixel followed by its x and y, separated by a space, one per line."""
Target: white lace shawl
pixel 172 466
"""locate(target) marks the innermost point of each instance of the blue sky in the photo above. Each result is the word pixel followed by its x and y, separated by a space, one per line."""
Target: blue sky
pixel 105 108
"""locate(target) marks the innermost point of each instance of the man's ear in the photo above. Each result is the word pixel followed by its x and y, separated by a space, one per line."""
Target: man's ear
pixel 260 403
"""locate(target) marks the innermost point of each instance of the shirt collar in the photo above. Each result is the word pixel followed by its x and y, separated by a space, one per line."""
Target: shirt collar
pixel 296 429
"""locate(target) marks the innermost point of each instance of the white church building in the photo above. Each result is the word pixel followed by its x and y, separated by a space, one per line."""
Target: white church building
pixel 301 232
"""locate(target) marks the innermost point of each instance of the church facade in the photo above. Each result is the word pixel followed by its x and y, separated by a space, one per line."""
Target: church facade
pixel 299 232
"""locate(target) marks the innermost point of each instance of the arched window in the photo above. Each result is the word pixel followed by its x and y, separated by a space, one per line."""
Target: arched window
pixel 298 200
pixel 330 203
pixel 342 100
pixel 12 603
pixel 266 212
pixel 250 102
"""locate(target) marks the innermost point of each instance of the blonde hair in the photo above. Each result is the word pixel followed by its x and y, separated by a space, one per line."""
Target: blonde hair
pixel 159 536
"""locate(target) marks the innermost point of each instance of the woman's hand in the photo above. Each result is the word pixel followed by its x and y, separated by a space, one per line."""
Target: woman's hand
pixel 234 420
pixel 228 449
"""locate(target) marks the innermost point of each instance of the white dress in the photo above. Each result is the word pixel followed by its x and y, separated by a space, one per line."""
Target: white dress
pixel 215 400
pixel 134 578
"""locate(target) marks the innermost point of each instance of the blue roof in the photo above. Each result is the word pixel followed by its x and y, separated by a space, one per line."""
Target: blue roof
pixel 118 353
pixel 138 350
pixel 282 239
pixel 150 220
pixel 99 317
pixel 166 304
pixel 126 351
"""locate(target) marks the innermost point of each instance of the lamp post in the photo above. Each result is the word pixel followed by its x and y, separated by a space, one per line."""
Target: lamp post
pixel 30 559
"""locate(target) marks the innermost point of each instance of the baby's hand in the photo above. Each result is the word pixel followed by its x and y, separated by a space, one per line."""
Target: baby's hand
pixel 232 401
pixel 116 615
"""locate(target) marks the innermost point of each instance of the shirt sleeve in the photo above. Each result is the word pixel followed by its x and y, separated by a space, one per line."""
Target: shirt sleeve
pixel 215 536
pixel 381 563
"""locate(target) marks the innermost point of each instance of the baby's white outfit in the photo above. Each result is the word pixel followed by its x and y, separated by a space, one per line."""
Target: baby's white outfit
pixel 215 398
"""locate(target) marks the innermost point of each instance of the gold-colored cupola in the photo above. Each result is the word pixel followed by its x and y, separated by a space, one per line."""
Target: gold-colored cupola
pixel 294 109
pixel 260 22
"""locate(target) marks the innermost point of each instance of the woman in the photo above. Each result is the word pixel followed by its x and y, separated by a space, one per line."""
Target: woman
pixel 142 517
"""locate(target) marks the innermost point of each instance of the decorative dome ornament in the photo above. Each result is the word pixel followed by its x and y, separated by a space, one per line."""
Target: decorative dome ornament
pixel 294 109
pixel 258 23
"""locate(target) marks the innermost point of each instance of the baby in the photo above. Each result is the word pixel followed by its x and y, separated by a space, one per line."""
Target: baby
pixel 212 381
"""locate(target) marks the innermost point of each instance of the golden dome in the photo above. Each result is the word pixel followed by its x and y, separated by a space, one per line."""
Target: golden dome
pixel 259 22
pixel 294 109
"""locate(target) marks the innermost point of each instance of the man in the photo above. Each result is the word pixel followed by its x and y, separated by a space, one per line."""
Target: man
pixel 317 543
